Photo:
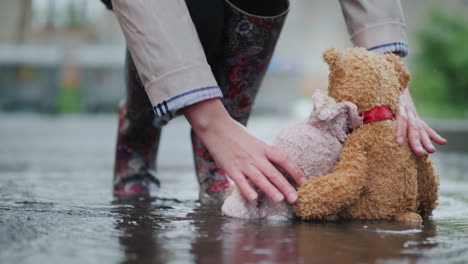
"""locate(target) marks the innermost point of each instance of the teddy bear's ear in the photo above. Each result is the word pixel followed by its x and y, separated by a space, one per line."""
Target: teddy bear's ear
pixel 330 55
pixel 400 68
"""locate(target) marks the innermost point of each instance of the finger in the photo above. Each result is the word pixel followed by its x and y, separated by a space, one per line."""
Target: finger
pixel 434 136
pixel 284 161
pixel 402 120
pixel 426 142
pixel 261 182
pixel 278 179
pixel 413 135
pixel 244 186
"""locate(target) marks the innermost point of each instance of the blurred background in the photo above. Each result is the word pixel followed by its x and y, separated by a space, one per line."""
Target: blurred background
pixel 62 56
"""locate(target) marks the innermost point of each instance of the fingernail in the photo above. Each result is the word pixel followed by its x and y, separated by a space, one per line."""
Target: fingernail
pixel 420 151
pixel 253 196
pixel 292 197
pixel 302 181
pixel 400 140
pixel 279 197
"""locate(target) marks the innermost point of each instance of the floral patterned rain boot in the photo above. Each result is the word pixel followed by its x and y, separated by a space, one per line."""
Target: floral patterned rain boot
pixel 249 42
pixel 137 140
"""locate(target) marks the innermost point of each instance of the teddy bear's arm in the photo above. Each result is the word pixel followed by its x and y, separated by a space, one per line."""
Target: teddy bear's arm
pixel 326 195
pixel 428 186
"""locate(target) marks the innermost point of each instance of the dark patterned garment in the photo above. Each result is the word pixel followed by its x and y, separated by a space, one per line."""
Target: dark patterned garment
pixel 137 139
pixel 249 42
pixel 239 52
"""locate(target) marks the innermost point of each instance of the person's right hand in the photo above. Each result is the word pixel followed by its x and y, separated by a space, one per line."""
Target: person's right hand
pixel 241 155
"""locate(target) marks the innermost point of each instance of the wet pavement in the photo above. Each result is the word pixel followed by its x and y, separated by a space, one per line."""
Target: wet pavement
pixel 56 207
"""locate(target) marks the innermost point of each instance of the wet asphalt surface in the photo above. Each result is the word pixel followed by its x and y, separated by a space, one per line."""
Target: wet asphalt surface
pixel 56 206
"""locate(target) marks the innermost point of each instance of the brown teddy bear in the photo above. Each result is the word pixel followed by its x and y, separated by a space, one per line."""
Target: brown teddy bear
pixel 375 178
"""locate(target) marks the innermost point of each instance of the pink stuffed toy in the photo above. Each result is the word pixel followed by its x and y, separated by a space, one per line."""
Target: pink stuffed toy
pixel 315 144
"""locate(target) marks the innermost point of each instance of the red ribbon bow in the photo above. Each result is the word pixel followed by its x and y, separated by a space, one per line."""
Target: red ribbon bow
pixel 376 114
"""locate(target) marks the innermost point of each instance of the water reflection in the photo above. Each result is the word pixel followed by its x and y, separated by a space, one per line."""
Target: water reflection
pixel 363 241
pixel 146 238
pixel 226 240
pixel 138 238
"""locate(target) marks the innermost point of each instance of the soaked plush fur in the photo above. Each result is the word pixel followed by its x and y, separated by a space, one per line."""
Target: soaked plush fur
pixel 315 144
pixel 375 177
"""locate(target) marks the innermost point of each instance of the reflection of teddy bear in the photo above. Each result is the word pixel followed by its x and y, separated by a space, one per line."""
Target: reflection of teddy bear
pixel 315 144
pixel 375 178
pixel 365 241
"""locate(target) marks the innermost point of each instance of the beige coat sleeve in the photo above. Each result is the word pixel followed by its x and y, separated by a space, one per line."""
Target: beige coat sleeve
pixel 373 23
pixel 165 47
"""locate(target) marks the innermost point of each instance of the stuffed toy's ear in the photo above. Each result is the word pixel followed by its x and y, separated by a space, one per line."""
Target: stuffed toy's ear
pixel 400 68
pixel 336 118
pixel 330 55
pixel 345 121
pixel 353 118
pixel 324 107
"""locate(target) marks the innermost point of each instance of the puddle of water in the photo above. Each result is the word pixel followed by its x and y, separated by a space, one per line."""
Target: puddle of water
pixel 65 214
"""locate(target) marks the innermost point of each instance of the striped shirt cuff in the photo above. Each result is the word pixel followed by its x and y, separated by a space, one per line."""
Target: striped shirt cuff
pixel 167 109
pixel 397 47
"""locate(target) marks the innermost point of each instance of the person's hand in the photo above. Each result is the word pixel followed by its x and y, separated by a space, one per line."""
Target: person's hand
pixel 241 155
pixel 418 132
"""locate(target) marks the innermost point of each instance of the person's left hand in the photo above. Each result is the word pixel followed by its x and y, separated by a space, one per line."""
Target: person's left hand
pixel 418 132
